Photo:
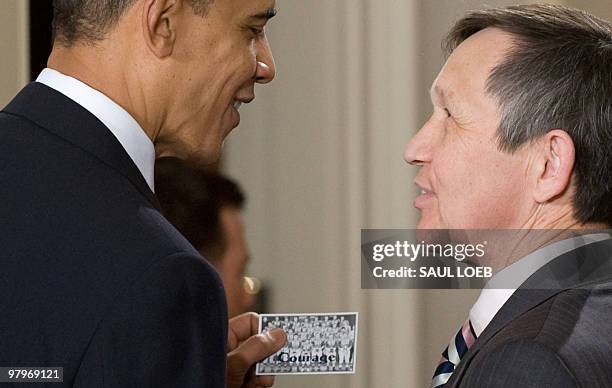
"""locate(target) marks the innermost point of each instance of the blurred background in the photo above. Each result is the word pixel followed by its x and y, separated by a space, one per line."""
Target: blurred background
pixel 319 156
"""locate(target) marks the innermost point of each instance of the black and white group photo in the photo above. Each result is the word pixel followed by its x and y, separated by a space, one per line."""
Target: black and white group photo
pixel 316 344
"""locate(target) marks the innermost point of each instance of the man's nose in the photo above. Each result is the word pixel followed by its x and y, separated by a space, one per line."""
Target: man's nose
pixel 266 70
pixel 418 150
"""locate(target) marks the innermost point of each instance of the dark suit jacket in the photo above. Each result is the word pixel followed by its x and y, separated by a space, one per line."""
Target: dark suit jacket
pixel 554 331
pixel 92 277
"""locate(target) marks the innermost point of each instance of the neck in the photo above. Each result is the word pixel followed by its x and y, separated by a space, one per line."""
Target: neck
pixel 100 68
pixel 545 227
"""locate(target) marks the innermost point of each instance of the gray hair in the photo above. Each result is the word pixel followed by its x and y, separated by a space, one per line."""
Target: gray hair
pixel 89 21
pixel 558 75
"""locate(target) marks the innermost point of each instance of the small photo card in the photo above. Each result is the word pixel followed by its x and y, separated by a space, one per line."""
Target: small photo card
pixel 317 343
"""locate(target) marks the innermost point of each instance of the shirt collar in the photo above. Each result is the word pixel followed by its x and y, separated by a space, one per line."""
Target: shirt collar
pixel 122 125
pixel 492 298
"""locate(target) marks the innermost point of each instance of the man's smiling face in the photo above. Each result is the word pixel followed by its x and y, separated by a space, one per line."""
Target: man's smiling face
pixel 465 180
pixel 217 60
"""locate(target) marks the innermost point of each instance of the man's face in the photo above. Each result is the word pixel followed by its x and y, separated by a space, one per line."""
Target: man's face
pixel 232 265
pixel 466 182
pixel 216 62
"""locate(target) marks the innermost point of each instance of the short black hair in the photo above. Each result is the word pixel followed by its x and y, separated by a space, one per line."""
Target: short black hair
pixel 90 20
pixel 558 75
pixel 192 199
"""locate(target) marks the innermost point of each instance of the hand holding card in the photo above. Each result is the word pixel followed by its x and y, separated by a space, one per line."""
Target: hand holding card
pixel 316 343
pixel 246 347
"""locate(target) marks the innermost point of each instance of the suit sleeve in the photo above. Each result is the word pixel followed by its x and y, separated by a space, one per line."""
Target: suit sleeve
pixel 169 329
pixel 524 363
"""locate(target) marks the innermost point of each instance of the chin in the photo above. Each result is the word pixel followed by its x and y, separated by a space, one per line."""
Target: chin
pixel 428 223
pixel 202 157
pixel 206 159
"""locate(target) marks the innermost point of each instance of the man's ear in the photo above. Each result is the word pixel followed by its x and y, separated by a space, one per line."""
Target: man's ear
pixel 159 25
pixel 556 164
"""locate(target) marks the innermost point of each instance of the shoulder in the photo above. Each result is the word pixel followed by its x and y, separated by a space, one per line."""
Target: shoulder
pixel 565 340
pixel 577 324
pixel 519 363
pixel 580 331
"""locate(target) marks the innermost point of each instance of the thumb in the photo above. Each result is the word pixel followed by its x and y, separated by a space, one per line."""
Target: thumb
pixel 255 349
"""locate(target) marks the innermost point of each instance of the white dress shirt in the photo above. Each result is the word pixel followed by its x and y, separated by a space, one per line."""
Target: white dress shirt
pixel 121 124
pixel 492 299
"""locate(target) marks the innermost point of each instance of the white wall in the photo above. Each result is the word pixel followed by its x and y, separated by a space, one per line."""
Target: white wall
pixel 14 57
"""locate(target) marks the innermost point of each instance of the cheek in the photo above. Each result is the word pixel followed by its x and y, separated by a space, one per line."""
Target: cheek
pixel 246 66
pixel 478 194
pixel 240 60
pixel 455 184
pixel 231 65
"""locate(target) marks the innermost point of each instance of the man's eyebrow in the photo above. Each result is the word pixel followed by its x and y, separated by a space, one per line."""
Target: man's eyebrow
pixel 265 15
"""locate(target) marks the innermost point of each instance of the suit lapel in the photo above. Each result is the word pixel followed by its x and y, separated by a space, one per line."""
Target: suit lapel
pixel 580 268
pixel 63 117
pixel 519 303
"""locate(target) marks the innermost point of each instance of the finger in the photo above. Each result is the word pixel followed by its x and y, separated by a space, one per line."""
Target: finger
pixel 256 383
pixel 264 381
pixel 242 327
pixel 256 348
pixel 249 384
pixel 253 384
pixel 259 381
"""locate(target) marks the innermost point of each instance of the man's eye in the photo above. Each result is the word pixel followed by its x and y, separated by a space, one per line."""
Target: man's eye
pixel 448 114
pixel 257 31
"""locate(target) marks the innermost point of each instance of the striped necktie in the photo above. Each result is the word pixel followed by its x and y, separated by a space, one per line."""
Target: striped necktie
pixel 453 353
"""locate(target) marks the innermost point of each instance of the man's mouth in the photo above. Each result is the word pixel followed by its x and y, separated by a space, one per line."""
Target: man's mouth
pixel 236 104
pixel 425 195
pixel 235 113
